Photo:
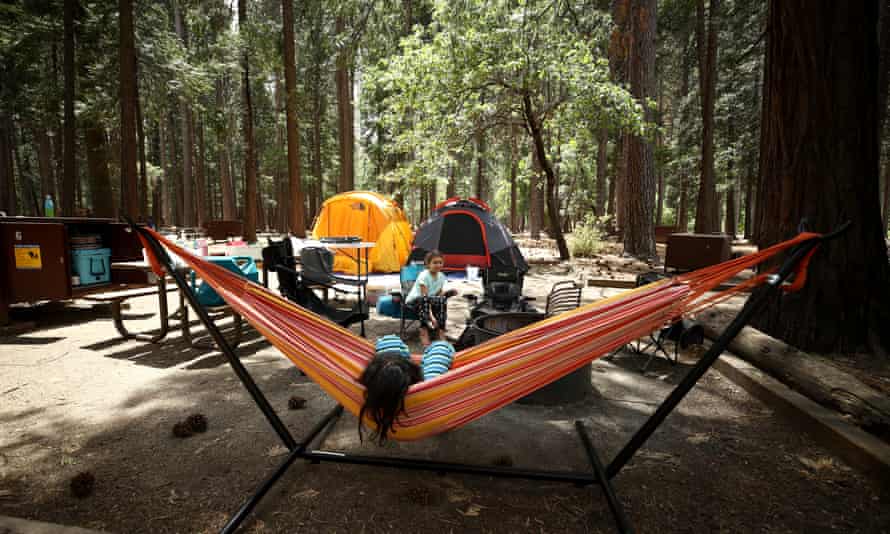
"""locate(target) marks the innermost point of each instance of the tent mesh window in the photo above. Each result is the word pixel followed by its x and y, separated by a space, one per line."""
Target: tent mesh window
pixel 461 234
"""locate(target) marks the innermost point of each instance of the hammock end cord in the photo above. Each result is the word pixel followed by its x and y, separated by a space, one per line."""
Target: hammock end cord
pixel 801 256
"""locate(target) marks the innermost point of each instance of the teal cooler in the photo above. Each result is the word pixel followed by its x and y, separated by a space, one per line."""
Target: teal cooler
pixel 243 265
pixel 92 266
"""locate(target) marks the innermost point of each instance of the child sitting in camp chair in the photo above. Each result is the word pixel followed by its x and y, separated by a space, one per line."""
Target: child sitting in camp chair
pixel 390 374
pixel 428 298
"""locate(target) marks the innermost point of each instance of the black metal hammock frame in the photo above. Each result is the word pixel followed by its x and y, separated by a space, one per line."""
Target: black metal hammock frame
pixel 600 473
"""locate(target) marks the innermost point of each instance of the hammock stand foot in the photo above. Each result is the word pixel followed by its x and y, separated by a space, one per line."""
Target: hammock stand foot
pixel 316 456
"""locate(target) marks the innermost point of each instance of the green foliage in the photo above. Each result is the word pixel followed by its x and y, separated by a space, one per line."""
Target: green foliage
pixel 588 238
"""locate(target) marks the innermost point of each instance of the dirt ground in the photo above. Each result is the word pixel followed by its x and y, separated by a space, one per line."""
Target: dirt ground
pixel 74 398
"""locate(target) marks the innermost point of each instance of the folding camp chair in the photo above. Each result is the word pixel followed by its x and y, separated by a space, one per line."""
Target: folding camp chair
pixel 278 258
pixel 317 271
pixel 684 333
pixel 564 296
pixel 407 276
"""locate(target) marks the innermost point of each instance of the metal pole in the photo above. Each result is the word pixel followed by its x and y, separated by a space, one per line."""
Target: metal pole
pixel 221 342
pixel 751 307
pixel 595 462
pixel 267 484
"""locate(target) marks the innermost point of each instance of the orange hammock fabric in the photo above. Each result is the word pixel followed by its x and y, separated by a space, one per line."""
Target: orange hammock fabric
pixel 487 376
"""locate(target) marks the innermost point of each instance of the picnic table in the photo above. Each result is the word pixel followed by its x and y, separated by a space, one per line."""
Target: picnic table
pixel 157 285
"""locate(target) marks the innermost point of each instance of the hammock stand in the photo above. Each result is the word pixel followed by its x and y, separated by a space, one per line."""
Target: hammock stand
pixel 600 474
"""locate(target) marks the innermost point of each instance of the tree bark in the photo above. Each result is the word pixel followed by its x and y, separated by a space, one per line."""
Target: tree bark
pixel 535 215
pixel 44 161
pixel 707 209
pixel 97 166
pixel 552 206
pixel 297 216
pixel 344 115
pixel 127 92
pixel 186 134
pixel 200 177
pixel 8 201
pixel 732 221
pixel 69 180
pixel 481 185
pixel 514 185
pixel 225 177
pixel 317 173
pixel 819 160
pixel 639 190
pixel 157 190
pixel 602 158
pixel 143 168
pixel 749 204
pixel 250 178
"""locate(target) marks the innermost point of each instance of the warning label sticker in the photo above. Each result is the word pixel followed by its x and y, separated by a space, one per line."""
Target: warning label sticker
pixel 27 257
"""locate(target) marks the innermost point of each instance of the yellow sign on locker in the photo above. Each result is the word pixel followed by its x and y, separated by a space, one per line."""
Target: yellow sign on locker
pixel 27 257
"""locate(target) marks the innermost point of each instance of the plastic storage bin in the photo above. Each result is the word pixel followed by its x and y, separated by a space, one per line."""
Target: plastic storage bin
pixel 92 266
pixel 243 265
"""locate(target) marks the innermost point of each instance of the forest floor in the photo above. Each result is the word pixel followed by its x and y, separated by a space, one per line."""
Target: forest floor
pixel 75 398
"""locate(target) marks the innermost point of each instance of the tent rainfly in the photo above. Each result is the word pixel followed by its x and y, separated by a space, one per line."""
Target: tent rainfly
pixel 467 233
pixel 372 217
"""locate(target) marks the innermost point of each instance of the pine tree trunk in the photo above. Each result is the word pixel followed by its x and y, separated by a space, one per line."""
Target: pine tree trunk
pixel 481 186
pixel 344 116
pixel 69 180
pixel 29 202
pixel 127 96
pixel 97 166
pixel 317 173
pixel 250 178
pixel 158 197
pixel 819 160
pixel 170 199
pixel 749 204
pixel 143 168
pixel 296 201
pixel 602 156
pixel 200 177
pixel 225 176
pixel 639 190
pixel 44 161
pixel 451 187
pixel 707 209
pixel 514 185
pixel 8 201
pixel 732 222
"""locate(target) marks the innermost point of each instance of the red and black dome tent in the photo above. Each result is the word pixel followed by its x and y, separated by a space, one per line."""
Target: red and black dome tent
pixel 467 233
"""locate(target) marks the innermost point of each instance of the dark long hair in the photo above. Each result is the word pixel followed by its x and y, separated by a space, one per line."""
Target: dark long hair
pixel 386 380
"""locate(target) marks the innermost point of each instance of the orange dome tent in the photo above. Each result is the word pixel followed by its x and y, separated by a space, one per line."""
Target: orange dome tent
pixel 372 217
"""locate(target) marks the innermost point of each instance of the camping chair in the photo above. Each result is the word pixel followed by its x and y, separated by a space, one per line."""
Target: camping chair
pixel 278 257
pixel 564 296
pixel 684 333
pixel 407 276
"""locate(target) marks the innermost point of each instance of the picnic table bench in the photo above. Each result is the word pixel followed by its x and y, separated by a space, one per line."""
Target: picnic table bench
pixel 117 297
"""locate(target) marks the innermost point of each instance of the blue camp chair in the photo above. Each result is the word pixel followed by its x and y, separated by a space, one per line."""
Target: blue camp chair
pixel 407 276
pixel 242 265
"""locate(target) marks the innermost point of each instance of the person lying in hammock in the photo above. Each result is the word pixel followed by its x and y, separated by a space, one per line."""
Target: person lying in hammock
pixel 428 298
pixel 390 374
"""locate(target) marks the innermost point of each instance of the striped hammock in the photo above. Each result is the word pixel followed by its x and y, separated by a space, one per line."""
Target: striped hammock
pixel 487 376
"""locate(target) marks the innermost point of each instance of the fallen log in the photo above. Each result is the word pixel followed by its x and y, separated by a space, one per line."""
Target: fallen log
pixel 811 375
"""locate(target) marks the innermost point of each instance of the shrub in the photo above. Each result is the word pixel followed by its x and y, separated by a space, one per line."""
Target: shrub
pixel 587 239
